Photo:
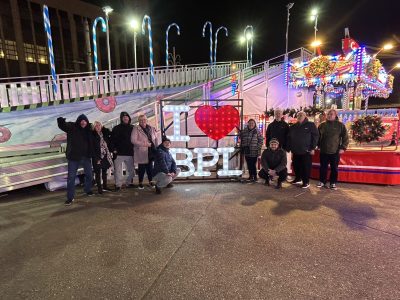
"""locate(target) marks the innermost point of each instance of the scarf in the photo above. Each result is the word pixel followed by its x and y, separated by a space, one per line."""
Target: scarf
pixel 104 152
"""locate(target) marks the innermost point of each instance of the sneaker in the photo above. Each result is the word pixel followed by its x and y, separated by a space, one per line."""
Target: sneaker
pixel 320 185
pixel 90 194
pixel 107 189
pixel 297 182
pixel 68 202
pixel 305 186
pixel 131 186
pixel 140 187
pixel 100 191
pixel 118 189
pixel 278 186
pixel 266 182
pixel 170 185
pixel 333 187
pixel 158 190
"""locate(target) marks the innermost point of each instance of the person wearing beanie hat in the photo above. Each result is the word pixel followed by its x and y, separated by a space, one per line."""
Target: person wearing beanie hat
pixel 122 150
pixel 165 170
pixel 79 152
pixel 273 162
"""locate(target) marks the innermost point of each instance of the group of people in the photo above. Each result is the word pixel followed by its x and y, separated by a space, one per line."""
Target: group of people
pixel 95 147
pixel 301 139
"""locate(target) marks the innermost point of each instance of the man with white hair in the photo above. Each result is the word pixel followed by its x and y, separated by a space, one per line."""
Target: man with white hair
pixel 333 141
pixel 278 129
pixel 302 141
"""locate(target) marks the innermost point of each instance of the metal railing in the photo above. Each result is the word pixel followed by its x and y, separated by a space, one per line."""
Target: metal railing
pixel 19 91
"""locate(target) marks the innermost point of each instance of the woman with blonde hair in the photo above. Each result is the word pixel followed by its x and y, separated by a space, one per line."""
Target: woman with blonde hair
pixel 102 159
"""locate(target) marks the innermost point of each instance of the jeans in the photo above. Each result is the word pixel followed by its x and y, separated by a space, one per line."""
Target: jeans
pixel 333 161
pixel 282 175
pixel 302 167
pixel 252 166
pixel 162 179
pixel 146 168
pixel 73 166
pixel 128 160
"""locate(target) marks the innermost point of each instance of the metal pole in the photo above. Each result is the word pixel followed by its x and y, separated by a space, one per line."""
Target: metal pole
pixel 315 33
pixel 108 46
pixel 134 49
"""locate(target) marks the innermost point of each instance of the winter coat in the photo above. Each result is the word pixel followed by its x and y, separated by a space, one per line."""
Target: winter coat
pixel 164 163
pixel 141 144
pixel 278 130
pixel 79 140
pixel 253 139
pixel 273 160
pixel 105 164
pixel 303 137
pixel 333 136
pixel 121 138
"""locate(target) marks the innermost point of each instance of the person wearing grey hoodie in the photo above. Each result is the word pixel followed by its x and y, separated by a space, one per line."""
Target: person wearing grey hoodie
pixel 79 152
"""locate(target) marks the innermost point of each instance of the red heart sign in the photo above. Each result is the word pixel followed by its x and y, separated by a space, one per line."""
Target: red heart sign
pixel 217 123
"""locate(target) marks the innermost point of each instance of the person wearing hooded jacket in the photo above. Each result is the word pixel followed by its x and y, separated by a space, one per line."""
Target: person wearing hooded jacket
pixel 302 141
pixel 123 150
pixel 79 152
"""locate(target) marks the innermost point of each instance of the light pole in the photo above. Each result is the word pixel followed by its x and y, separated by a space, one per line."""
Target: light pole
pixel 134 25
pixel 289 6
pixel 385 47
pixel 107 10
pixel 314 17
pixel 249 37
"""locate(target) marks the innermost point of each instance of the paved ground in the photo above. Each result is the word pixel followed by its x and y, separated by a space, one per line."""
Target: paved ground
pixel 202 241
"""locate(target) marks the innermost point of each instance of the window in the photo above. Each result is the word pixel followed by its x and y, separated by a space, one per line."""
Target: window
pixel 10 51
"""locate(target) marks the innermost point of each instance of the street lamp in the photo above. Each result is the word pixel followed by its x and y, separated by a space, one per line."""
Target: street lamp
pixel 107 10
pixel 385 47
pixel 134 26
pixel 314 17
pixel 397 66
pixel 249 37
pixel 289 6
pixel 316 44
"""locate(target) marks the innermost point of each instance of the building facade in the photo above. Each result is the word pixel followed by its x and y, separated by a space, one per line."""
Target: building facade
pixel 23 43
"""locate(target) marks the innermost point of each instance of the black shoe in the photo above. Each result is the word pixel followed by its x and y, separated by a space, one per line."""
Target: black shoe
pixel 266 182
pixel 140 187
pixel 158 190
pixel 152 185
pixel 170 185
pixel 107 189
pixel 278 185
pixel 117 189
pixel 68 202
pixel 305 186
pixel 90 194
pixel 131 186
pixel 297 181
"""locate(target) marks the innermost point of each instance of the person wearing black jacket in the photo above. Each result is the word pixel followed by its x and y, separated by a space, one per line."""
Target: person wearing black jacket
pixel 273 162
pixel 302 141
pixel 102 159
pixel 123 150
pixel 278 129
pixel 79 152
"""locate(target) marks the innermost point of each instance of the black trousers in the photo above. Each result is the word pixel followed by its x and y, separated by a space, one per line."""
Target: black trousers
pixel 252 165
pixel 333 161
pixel 145 168
pixel 302 165
pixel 282 175
pixel 103 173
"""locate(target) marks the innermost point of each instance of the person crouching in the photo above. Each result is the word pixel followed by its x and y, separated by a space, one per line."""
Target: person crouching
pixel 165 170
pixel 273 162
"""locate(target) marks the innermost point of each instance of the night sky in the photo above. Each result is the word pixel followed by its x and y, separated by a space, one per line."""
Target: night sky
pixel 371 23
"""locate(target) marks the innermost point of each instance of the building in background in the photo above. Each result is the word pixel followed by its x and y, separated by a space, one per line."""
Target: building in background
pixel 23 44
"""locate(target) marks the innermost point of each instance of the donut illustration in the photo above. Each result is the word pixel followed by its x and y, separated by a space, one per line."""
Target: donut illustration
pixel 5 134
pixel 106 104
